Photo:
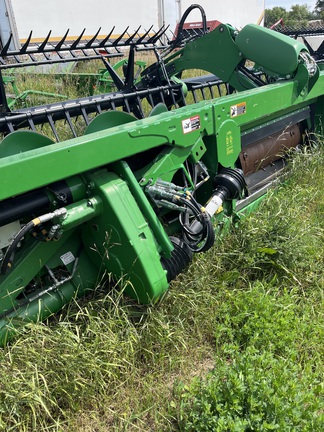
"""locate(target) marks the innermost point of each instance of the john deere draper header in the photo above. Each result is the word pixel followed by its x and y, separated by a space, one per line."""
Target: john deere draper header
pixel 132 183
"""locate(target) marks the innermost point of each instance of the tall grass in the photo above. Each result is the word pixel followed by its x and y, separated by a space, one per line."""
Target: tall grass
pixel 269 328
pixel 236 344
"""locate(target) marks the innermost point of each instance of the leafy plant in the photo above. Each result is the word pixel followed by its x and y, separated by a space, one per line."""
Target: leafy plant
pixel 253 391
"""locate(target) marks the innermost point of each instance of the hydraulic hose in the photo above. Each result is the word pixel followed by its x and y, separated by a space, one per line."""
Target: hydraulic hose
pixel 199 236
pixel 183 19
pixel 7 260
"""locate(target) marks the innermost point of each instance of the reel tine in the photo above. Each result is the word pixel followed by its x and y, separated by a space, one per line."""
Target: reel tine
pixel 6 47
pixel 106 39
pixel 58 46
pixel 44 43
pixel 115 77
pixel 88 44
pixel 116 42
pixel 75 43
pixel 129 74
pixel 163 33
pixel 139 41
pixel 158 35
pixel 131 37
pixel 23 49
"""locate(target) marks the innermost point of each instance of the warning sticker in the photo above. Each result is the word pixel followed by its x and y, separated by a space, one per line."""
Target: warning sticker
pixel 239 109
pixel 191 124
pixel 67 258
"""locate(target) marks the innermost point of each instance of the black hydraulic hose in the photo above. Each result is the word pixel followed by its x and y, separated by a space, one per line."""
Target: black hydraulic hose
pixel 197 240
pixel 202 241
pixel 7 262
pixel 183 19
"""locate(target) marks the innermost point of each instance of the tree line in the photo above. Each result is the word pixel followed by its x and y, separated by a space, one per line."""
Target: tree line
pixel 298 15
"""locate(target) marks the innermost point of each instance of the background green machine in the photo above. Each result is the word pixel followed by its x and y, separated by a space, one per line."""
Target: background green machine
pixel 155 169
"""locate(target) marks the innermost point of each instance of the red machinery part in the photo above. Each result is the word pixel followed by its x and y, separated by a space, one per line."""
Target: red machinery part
pixel 193 27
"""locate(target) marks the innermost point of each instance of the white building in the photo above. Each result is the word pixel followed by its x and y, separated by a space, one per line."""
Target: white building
pixel 21 16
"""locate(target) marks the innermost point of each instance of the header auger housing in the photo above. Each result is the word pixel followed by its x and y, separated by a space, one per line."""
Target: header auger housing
pixel 134 182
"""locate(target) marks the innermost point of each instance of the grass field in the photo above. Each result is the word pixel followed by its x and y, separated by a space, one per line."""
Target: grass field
pixel 235 345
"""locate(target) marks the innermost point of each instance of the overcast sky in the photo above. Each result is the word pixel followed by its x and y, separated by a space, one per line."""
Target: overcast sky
pixel 288 3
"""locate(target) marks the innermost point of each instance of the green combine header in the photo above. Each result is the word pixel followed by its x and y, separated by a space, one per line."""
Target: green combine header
pixel 131 183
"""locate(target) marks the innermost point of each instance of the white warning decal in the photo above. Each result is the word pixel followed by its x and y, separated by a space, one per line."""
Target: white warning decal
pixel 67 258
pixel 191 124
pixel 239 109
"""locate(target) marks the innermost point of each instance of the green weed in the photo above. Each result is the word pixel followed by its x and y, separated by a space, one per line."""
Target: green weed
pixel 253 391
